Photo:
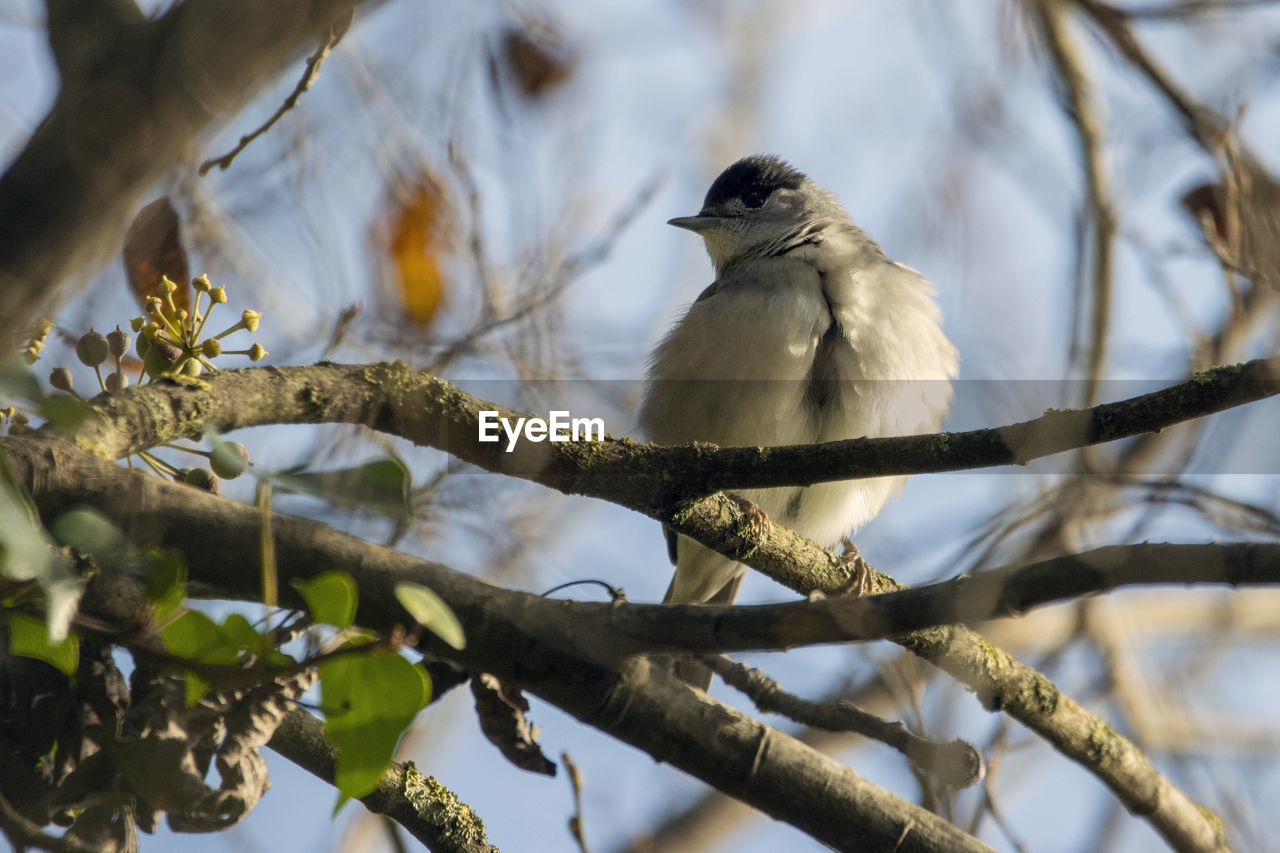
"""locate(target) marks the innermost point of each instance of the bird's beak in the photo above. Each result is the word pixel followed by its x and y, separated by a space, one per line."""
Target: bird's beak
pixel 698 223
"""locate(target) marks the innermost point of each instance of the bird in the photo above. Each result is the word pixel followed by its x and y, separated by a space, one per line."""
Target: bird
pixel 808 334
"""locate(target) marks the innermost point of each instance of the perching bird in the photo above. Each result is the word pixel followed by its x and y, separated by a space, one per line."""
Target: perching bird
pixel 808 334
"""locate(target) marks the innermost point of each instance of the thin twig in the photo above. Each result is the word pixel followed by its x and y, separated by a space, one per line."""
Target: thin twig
pixel 1204 125
pixel 957 764
pixel 571 269
pixel 1190 8
pixel 575 783
pixel 1083 109
pixel 309 76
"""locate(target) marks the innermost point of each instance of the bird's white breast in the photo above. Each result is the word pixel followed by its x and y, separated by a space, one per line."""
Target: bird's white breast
pixel 737 370
pixel 733 370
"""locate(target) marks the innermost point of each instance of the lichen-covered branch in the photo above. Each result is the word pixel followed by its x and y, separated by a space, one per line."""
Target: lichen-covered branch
pixel 659 482
pixel 429 811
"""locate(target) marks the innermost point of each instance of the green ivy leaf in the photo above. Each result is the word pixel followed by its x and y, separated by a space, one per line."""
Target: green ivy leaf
pixel 195 636
pixel 368 701
pixel 65 412
pixel 28 553
pixel 20 381
pixel 343 799
pixel 196 687
pixel 29 637
pixel 166 584
pixel 240 633
pixel 381 486
pixel 331 598
pixel 431 612
pixel 92 533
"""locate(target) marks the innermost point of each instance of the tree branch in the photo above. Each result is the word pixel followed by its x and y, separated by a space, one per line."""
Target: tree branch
pixel 1201 123
pixel 309 77
pixel 430 812
pixel 656 481
pixel 134 95
pixel 956 764
pixel 971 599
pixel 663 483
pixel 22 834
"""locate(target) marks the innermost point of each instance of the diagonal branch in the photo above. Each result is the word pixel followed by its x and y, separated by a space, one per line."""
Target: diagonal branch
pixel 309 77
pixel 1201 123
pixel 972 599
pixel 956 764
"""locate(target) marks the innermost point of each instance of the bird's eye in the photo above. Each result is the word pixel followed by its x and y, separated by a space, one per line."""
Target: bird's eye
pixel 754 198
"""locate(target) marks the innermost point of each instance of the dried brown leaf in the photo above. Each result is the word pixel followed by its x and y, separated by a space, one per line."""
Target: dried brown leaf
pixel 153 249
pixel 537 58
pixel 501 709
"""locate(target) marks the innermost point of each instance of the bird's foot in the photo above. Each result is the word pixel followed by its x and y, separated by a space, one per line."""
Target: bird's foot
pixel 761 526
pixel 860 579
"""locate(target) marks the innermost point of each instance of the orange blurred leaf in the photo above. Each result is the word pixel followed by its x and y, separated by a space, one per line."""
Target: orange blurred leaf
pixel 416 241
pixel 152 249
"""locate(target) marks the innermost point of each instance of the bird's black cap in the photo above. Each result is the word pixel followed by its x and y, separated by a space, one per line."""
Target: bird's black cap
pixel 756 176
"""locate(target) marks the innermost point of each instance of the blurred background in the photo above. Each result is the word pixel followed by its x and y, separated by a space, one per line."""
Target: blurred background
pixel 481 189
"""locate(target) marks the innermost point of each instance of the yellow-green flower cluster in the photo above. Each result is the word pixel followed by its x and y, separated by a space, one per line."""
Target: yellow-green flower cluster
pixel 169 338
pixel 31 351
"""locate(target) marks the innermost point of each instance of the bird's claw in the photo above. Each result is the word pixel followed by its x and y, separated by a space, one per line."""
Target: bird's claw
pixel 761 526
pixel 860 580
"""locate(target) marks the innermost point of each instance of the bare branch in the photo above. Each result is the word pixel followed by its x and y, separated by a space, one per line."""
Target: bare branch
pixel 1082 108
pixel 309 76
pixel 1200 122
pixel 956 764
pixel 653 480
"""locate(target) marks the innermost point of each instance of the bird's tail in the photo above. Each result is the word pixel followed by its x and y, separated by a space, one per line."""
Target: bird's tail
pixel 702 577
